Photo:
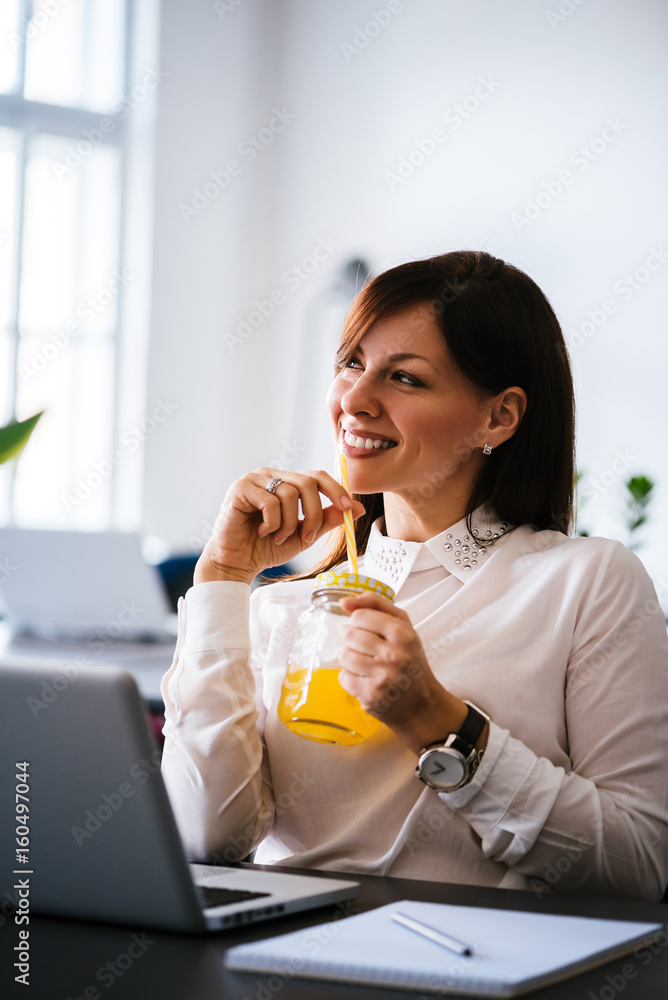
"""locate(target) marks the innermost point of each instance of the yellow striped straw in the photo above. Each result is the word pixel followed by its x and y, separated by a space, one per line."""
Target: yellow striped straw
pixel 351 544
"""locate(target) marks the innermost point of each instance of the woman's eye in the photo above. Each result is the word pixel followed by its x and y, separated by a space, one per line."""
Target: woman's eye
pixel 407 379
pixel 353 363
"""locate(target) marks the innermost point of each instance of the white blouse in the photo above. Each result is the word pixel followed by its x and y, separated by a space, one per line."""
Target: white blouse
pixel 560 640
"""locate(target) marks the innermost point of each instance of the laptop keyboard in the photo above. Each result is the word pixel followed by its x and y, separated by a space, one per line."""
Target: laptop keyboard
pixel 212 895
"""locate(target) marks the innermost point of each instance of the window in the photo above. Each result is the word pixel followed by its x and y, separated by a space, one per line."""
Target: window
pixel 65 130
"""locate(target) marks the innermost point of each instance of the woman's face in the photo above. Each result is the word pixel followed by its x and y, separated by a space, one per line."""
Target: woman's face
pixel 406 418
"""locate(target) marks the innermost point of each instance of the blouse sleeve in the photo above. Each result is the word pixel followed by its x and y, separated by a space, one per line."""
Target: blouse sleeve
pixel 600 827
pixel 214 761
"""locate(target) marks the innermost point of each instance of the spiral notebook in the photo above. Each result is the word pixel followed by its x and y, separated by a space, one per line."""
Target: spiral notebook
pixel 514 952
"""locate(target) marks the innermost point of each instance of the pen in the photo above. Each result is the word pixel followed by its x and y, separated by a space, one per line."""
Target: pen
pixel 432 934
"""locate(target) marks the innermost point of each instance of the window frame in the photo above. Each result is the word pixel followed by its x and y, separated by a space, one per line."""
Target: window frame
pixel 29 119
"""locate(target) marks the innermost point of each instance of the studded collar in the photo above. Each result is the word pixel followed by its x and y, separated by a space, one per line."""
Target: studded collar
pixel 458 550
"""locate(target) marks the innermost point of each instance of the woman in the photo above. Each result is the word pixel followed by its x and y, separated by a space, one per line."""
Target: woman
pixel 540 658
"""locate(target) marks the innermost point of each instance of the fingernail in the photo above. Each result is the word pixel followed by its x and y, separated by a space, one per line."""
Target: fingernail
pixel 346 502
pixel 311 537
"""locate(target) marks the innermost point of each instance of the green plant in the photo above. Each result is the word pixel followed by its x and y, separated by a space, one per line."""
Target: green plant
pixel 639 493
pixel 578 503
pixel 14 437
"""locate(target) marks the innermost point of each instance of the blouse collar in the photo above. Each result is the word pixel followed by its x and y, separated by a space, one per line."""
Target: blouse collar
pixel 458 550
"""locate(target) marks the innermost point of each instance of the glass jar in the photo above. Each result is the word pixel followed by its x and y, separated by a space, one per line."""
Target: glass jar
pixel 313 704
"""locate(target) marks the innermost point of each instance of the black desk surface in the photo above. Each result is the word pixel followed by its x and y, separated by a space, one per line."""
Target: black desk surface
pixel 71 959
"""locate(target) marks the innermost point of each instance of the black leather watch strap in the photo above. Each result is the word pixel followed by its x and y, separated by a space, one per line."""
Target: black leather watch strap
pixel 474 723
pixel 469 732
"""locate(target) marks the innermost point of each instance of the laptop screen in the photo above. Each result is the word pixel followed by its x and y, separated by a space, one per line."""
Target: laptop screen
pixel 74 584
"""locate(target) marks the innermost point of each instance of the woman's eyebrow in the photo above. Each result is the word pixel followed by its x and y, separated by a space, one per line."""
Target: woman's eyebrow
pixel 405 356
pixel 408 356
pixel 402 356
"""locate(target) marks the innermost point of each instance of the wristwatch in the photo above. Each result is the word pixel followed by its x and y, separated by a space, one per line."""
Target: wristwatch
pixel 451 763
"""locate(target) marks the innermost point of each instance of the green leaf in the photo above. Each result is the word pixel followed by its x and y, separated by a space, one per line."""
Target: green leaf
pixel 14 437
pixel 640 488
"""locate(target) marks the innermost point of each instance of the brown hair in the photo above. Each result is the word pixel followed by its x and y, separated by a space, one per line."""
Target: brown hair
pixel 501 331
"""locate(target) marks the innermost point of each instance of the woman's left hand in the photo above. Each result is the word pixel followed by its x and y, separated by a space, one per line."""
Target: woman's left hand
pixel 385 667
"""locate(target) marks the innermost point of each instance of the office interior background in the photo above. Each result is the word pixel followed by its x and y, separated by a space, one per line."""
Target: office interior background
pixel 192 190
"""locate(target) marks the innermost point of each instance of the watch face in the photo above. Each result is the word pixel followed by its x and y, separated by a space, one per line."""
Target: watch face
pixel 443 768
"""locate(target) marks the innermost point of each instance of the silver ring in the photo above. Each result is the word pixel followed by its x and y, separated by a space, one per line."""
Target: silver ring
pixel 273 484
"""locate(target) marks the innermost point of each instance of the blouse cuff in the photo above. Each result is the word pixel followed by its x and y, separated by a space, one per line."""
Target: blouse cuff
pixel 496 741
pixel 215 615
pixel 509 798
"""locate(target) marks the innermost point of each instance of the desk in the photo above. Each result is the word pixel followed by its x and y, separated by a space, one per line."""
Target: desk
pixel 66 955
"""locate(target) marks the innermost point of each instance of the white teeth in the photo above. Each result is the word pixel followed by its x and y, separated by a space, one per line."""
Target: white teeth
pixel 367 443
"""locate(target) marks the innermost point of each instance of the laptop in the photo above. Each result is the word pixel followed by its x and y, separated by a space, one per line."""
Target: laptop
pixel 81 585
pixel 82 598
pixel 101 841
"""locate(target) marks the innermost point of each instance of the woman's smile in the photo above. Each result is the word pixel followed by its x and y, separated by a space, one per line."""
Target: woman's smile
pixel 363 444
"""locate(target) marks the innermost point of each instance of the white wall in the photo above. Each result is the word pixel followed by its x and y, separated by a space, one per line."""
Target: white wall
pixel 553 82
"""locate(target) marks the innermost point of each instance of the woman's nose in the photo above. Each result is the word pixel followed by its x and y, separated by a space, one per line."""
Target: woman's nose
pixel 361 397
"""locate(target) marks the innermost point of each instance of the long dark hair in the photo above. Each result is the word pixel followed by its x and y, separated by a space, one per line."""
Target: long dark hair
pixel 501 331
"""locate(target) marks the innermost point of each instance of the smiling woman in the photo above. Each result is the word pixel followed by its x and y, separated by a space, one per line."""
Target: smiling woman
pixel 489 336
pixel 430 414
pixel 519 676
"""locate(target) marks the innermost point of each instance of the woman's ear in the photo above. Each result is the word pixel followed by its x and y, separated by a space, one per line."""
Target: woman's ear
pixel 505 414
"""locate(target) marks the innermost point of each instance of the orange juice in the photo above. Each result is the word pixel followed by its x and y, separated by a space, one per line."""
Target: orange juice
pixel 314 705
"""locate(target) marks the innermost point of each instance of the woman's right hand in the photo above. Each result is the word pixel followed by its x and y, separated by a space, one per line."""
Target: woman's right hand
pixel 256 529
